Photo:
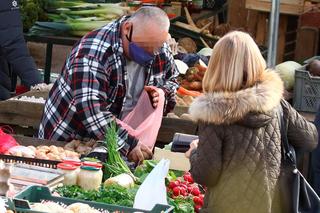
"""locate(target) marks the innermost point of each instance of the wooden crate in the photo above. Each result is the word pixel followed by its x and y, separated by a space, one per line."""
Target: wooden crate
pixel 293 7
pixel 22 113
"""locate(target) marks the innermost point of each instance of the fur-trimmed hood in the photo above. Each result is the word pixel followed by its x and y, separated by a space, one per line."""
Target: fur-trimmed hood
pixel 231 107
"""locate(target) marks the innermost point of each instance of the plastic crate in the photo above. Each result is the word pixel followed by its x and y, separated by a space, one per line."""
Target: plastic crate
pixel 306 91
pixel 32 194
pixel 311 59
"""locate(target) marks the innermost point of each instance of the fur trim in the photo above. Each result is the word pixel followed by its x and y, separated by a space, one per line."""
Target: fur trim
pixel 230 107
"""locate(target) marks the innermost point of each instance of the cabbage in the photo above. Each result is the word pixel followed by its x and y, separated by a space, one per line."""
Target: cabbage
pixel 286 71
pixel 205 52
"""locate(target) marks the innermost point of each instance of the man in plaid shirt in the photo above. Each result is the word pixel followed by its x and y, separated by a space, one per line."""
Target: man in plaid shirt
pixel 91 91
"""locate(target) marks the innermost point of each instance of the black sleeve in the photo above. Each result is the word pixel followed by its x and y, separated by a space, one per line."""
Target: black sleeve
pixel 16 52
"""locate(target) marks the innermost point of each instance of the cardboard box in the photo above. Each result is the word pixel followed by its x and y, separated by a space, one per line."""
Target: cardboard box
pixel 178 161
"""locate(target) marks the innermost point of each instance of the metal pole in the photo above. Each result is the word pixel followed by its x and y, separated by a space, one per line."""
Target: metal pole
pixel 273 33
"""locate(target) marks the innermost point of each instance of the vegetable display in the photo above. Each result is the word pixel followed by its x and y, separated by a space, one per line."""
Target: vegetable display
pixel 286 72
pixel 83 148
pixel 43 152
pixel 115 165
pixel 52 207
pixel 112 194
pixel 74 17
pixel 184 194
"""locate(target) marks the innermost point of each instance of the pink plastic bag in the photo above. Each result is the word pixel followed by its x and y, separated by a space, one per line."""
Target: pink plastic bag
pixel 6 141
pixel 144 121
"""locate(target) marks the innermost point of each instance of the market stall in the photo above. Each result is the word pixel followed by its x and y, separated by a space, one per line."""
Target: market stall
pixel 92 176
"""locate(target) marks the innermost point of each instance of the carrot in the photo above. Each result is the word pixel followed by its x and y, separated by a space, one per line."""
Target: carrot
pixel 183 91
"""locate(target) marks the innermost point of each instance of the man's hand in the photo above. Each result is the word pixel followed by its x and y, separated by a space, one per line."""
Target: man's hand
pixel 193 145
pixel 139 153
pixel 153 94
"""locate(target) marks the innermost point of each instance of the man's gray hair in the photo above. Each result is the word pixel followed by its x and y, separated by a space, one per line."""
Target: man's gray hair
pixel 151 14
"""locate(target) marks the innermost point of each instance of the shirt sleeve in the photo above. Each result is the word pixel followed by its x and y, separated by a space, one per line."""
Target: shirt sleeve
pixel 170 85
pixel 89 81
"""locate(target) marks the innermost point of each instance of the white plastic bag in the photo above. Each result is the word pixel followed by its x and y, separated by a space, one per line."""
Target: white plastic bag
pixel 153 189
pixel 2 206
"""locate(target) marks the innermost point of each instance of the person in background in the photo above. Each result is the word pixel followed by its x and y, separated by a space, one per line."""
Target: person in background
pixel 104 76
pixel 14 53
pixel 238 154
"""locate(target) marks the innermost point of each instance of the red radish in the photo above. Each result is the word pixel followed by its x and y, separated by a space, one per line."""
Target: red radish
pixel 195 191
pixel 183 191
pixel 187 173
pixel 183 186
pixel 201 196
pixel 172 184
pixel 188 178
pixel 176 191
pixel 198 201
pixel 197 208
pixel 190 189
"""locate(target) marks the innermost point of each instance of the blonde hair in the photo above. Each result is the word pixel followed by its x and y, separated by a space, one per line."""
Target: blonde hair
pixel 236 63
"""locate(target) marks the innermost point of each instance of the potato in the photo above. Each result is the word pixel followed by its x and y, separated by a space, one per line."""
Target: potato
pixel 41 155
pixel 18 154
pixel 32 147
pixel 60 149
pixel 43 147
pixel 52 156
pixel 62 155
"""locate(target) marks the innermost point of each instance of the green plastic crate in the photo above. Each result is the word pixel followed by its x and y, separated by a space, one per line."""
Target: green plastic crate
pixel 306 94
pixel 33 194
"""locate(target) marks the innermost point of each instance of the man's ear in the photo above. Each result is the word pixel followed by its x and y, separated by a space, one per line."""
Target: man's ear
pixel 126 27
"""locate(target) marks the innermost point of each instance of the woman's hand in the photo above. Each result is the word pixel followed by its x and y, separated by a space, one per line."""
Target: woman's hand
pixel 193 145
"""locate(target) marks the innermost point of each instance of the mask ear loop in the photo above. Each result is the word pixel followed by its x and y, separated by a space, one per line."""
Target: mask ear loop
pixel 130 34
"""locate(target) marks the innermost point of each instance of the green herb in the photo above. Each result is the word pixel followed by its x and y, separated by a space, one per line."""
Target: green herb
pixel 182 205
pixel 115 165
pixel 113 194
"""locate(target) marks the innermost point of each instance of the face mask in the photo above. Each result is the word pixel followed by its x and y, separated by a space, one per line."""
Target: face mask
pixel 139 55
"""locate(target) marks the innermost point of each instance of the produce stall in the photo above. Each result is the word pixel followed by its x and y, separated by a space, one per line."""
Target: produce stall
pixel 111 186
pixel 53 176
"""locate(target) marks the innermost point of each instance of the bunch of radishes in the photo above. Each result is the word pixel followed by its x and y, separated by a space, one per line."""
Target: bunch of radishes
pixel 184 187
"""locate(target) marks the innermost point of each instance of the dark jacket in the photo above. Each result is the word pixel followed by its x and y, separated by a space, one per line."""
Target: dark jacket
pixel 239 152
pixel 13 49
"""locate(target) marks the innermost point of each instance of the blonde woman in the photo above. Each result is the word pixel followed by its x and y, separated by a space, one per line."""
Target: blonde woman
pixel 238 156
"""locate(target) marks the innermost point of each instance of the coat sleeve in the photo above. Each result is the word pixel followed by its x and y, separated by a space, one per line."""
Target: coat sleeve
pixel 17 54
pixel 301 133
pixel 206 160
pixel 170 85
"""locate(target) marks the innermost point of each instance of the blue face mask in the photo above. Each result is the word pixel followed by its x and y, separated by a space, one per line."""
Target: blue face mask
pixel 138 54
